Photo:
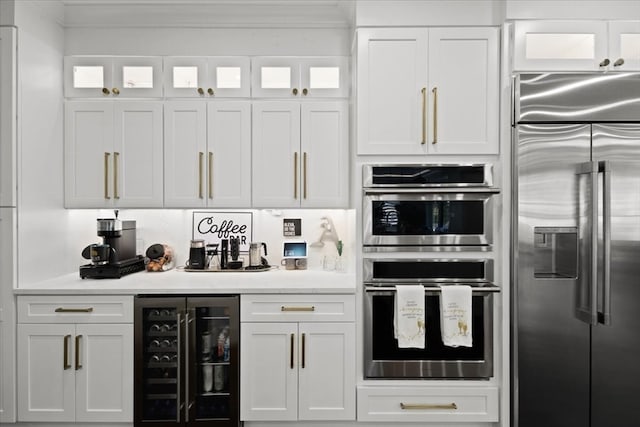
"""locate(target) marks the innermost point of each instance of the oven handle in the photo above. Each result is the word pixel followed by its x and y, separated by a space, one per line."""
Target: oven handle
pixel 390 290
pixel 460 189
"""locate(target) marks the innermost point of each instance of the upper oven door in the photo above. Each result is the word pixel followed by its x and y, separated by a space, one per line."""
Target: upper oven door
pixel 419 218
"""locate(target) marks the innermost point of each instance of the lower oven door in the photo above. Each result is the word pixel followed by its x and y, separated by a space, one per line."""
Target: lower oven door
pixel 384 360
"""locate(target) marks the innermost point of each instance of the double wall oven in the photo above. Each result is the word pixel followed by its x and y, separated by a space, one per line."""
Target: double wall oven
pixel 421 224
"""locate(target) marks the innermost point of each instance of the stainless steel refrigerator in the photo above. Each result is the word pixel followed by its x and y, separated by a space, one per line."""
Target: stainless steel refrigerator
pixel 576 265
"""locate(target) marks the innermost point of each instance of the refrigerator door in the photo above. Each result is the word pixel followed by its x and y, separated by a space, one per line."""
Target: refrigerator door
pixel 552 344
pixel 615 367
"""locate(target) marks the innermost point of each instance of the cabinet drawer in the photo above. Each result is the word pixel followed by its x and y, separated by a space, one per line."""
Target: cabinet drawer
pixel 75 309
pixel 428 404
pixel 297 308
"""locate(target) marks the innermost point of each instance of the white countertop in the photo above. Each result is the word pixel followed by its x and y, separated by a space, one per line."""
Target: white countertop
pixel 177 281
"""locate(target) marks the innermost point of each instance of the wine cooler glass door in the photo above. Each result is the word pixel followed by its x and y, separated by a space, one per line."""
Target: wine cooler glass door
pixel 159 339
pixel 212 366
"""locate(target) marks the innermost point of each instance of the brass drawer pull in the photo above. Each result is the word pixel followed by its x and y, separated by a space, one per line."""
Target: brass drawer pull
pixel 291 352
pixel 428 406
pixel 74 310
pixel 78 361
pixel 65 344
pixel 285 308
pixel 304 343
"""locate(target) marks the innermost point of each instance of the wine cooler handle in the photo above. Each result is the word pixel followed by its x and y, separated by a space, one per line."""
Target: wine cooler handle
pixel 187 332
pixel 178 383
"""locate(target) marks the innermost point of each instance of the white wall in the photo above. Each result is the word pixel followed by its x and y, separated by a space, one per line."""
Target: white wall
pixel 572 9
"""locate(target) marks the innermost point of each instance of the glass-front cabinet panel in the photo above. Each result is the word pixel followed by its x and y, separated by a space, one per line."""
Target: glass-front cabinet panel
pixel 104 76
pixel 300 77
pixel 207 77
pixel 560 45
pixel 624 45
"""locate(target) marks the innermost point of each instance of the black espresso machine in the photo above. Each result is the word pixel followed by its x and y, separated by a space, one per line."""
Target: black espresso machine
pixel 116 255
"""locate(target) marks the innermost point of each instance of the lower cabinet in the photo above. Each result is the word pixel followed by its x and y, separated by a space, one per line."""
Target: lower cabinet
pixel 298 358
pixel 74 365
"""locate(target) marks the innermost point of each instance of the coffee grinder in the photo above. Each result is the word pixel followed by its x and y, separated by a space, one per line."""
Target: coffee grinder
pixel 116 256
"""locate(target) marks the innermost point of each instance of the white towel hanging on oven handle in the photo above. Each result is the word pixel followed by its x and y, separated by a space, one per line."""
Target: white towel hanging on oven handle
pixel 455 315
pixel 409 316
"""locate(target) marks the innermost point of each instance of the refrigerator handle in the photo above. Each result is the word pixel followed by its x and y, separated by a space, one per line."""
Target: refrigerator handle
pixel 604 167
pixel 591 169
pixel 178 383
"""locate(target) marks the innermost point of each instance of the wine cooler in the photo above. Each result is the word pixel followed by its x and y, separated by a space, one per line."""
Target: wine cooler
pixel 186 361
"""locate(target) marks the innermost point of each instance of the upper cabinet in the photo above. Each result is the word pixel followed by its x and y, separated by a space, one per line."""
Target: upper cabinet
pixel 428 91
pixel 113 154
pixel 577 46
pixel 300 77
pixel 113 77
pixel 300 154
pixel 207 77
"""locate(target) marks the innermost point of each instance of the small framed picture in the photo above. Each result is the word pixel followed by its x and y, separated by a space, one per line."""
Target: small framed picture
pixel 291 227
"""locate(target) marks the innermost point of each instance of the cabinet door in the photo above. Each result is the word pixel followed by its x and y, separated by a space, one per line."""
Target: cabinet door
pixel 230 76
pixel 275 153
pixel 8 82
pixel 269 372
pixel 624 45
pixel 88 76
pixel 46 378
pixel 229 154
pixel 463 91
pixel 103 364
pixel 185 130
pixel 137 155
pixel 186 76
pixel 7 315
pixel 324 77
pixel 137 77
pixel 392 73
pixel 327 389
pixel 275 76
pixel 88 152
pixel 325 155
pixel 560 45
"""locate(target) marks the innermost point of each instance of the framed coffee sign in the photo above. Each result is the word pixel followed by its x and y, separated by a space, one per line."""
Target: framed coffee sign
pixel 212 227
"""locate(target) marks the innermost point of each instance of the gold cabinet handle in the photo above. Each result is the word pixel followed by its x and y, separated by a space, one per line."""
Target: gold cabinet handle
pixel 116 157
pixel 65 363
pixel 115 91
pixel 307 308
pixel 74 310
pixel 200 91
pixel 304 175
pixel 105 91
pixel 410 406
pixel 291 353
pixel 106 175
pixel 295 175
pixel 435 114
pixel 78 362
pixel 305 91
pixel 210 91
pixel 304 340
pixel 618 62
pixel 295 91
pixel 604 62
pixel 200 166
pixel 210 175
pixel 424 116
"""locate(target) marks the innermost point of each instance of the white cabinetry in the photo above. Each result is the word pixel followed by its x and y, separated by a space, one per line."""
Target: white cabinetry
pixel 295 77
pixel 577 46
pixel 442 404
pixel 8 81
pixel 105 76
pixel 75 359
pixel 207 154
pixel 224 76
pixel 428 91
pixel 300 154
pixel 113 154
pixel 298 357
pixel 8 252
